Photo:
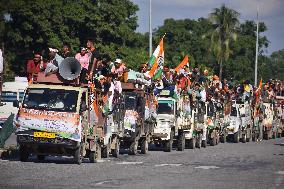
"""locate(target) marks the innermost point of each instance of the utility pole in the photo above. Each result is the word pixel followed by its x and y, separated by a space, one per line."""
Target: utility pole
pixel 150 28
pixel 256 49
pixel 1 70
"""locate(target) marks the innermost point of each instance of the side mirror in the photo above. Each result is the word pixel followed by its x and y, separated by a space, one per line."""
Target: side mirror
pixel 177 113
pixel 122 105
pixel 16 103
pixel 83 107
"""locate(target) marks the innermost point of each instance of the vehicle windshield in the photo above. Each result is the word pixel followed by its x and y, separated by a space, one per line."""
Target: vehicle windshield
pixel 165 108
pixel 130 102
pixel 234 112
pixel 51 99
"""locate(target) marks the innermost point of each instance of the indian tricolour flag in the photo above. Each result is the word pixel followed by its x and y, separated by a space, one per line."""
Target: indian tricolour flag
pixel 156 61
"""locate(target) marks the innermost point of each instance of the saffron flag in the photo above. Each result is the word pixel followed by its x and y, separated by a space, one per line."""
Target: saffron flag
pixel 182 64
pixel 258 90
pixel 156 61
pixel 260 84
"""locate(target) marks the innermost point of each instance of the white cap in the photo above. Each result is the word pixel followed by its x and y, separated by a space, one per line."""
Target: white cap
pixel 118 60
pixel 101 77
pixel 53 50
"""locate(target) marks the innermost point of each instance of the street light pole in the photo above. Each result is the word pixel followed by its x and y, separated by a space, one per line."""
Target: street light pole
pixel 150 29
pixel 256 50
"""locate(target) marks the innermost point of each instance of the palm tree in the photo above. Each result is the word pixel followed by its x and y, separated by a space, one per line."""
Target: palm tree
pixel 225 22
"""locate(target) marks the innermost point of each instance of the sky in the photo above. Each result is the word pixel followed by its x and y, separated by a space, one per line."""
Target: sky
pixel 270 12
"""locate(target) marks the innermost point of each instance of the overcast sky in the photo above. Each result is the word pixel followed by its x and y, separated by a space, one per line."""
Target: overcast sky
pixel 271 12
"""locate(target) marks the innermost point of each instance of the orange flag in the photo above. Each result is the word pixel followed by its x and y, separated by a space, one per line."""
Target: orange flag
pixel 260 84
pixel 182 64
pixel 96 109
pixel 31 81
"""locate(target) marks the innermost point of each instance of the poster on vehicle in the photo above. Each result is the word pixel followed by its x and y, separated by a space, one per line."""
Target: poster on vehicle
pixel 63 124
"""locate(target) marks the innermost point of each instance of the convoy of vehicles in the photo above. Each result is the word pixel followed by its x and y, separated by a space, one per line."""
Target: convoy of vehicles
pixel 56 118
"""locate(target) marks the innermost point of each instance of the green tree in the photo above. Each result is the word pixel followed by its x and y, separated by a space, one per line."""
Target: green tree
pixel 240 65
pixel 38 24
pixel 185 37
pixel 272 66
pixel 225 22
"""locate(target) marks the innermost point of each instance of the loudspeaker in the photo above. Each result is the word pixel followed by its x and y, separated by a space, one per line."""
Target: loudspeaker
pixel 69 68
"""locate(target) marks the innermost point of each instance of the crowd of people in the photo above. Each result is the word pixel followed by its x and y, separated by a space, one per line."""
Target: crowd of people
pixel 105 74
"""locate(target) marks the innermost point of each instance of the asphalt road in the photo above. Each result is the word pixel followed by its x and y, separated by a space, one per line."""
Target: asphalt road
pixel 250 165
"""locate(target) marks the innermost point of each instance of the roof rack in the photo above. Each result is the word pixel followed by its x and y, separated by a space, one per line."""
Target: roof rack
pixel 55 78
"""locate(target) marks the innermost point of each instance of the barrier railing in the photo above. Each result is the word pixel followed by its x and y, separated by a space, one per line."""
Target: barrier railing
pixel 6 130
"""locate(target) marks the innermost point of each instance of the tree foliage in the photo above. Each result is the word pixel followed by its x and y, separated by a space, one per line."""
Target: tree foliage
pixel 34 25
pixel 186 37
pixel 39 24
pixel 225 22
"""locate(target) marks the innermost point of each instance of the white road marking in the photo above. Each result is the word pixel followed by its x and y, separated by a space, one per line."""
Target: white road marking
pixel 103 182
pixel 207 167
pixel 171 164
pixel 129 163
pixel 280 172
pixel 101 160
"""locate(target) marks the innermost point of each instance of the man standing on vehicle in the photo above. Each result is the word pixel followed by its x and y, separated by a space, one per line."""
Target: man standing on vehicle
pixel 53 61
pixel 35 66
pixel 66 51
pixel 119 69
pixel 94 57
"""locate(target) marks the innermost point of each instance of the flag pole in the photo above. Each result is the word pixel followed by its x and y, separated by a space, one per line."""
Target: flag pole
pixel 150 28
pixel 256 48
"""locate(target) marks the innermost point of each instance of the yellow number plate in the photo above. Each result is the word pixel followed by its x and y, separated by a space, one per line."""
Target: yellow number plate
pixel 44 135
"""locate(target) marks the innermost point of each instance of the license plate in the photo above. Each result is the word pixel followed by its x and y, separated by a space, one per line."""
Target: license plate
pixel 44 135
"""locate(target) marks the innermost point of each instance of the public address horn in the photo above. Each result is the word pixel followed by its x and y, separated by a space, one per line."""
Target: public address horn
pixel 69 68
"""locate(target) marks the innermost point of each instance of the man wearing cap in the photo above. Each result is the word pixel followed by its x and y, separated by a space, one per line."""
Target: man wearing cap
pixel 54 58
pixel 54 61
pixel 102 84
pixel 118 68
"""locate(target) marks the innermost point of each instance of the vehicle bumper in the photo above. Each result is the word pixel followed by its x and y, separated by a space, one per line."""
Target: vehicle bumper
pixel 162 133
pixel 27 138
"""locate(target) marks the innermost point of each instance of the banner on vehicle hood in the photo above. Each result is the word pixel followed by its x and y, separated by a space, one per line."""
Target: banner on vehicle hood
pixel 64 124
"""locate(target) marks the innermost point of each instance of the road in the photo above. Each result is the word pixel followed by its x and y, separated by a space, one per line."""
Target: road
pixel 250 165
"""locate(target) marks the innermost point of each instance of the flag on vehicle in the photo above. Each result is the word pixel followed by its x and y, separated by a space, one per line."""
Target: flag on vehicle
pixel 156 61
pixel 182 64
pixel 260 84
pixel 258 90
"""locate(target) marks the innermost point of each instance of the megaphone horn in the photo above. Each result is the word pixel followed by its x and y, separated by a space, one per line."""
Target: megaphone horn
pixel 69 68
